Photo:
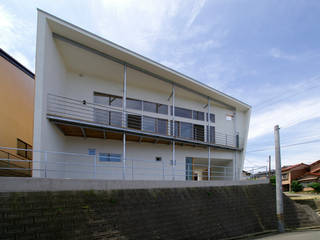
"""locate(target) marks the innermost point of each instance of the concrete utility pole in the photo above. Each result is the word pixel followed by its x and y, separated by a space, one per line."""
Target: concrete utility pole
pixel 278 179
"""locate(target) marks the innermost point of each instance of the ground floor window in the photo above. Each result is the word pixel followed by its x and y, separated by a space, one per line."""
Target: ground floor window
pixel 189 169
pixel 109 157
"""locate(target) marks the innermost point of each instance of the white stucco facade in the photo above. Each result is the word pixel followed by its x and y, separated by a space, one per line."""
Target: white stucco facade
pixel 74 64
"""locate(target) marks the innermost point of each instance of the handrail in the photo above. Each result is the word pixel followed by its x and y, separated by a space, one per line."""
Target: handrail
pixel 55 164
pixel 145 122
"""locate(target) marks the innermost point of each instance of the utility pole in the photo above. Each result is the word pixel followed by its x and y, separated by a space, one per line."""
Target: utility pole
pixel 278 179
pixel 269 166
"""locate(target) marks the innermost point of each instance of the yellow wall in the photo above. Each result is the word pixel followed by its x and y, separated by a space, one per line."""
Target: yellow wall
pixel 16 105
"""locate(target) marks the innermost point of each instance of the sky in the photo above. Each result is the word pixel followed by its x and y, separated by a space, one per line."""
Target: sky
pixel 265 53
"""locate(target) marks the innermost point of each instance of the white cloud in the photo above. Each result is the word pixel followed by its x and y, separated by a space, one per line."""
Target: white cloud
pixel 285 115
pixel 15 37
pixel 198 5
pixel 277 53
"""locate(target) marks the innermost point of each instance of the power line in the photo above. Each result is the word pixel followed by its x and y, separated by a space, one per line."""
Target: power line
pixel 285 146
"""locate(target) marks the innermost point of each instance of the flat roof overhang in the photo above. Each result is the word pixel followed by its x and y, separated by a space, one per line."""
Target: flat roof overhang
pixel 72 127
pixel 72 33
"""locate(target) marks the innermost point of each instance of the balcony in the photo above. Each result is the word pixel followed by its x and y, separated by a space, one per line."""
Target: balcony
pixel 84 119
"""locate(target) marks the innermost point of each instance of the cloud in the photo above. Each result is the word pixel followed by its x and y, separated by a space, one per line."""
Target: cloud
pixel 278 54
pixel 15 36
pixel 285 115
pixel 198 5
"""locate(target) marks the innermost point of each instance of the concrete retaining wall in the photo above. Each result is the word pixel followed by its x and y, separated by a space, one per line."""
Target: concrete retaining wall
pixel 17 184
pixel 170 213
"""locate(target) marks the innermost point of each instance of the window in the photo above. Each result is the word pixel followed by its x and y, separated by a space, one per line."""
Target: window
pixel 198 132
pixel 91 151
pixel 176 128
pixel 162 126
pixel 155 107
pixel 134 121
pixel 186 130
pixel 106 99
pixel 109 157
pixel 22 145
pixel 197 115
pixel 183 112
pixel 189 169
pixel 115 101
pixel 149 124
pixel 212 117
pixel 211 138
pixel 134 104
pixel 229 117
pixel 149 107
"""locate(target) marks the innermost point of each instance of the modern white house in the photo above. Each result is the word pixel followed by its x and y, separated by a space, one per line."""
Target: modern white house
pixel 105 112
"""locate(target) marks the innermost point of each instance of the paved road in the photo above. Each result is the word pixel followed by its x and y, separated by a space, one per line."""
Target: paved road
pixel 305 235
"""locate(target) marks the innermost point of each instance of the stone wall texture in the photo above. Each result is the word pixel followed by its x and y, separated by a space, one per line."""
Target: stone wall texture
pixel 177 213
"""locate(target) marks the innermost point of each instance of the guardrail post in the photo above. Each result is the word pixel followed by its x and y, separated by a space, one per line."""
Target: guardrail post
pixel 163 177
pixel 95 166
pixel 132 169
pixel 45 163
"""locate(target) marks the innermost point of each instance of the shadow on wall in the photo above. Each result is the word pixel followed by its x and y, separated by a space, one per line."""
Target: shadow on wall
pixel 184 213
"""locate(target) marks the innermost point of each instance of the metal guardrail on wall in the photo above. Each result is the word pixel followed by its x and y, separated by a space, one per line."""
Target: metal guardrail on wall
pixel 51 164
pixel 136 120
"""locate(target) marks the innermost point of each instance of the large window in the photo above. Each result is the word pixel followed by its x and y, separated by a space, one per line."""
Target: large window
pixel 24 153
pixel 197 115
pixel 186 130
pixel 155 107
pixel 134 121
pixel 182 112
pixel 106 99
pixel 198 132
pixel 134 104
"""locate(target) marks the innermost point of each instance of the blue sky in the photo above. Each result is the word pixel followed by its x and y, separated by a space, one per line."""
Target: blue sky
pixel 265 53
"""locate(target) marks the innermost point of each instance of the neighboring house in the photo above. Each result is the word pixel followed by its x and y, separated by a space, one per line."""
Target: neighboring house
pixel 313 175
pixel 16 111
pixel 129 117
pixel 291 173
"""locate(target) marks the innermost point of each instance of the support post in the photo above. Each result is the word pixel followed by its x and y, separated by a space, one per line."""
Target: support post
pixel 45 163
pixel 209 141
pixel 278 179
pixel 95 166
pixel 173 134
pixel 124 107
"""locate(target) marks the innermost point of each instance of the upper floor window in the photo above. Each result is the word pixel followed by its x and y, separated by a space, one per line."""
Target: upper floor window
pixel 134 104
pixel 24 149
pixel 155 107
pixel 197 115
pixel 106 99
pixel 212 117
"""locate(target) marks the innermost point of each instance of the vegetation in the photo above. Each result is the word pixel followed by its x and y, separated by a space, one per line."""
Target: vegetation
pixel 296 186
pixel 273 180
pixel 315 186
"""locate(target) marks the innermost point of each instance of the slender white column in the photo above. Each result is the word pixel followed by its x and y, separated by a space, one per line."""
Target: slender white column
pixel 173 134
pixel 209 141
pixel 124 116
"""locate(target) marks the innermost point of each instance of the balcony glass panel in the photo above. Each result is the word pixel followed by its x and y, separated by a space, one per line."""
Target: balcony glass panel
pixel 101 116
pixel 115 118
pixel 212 136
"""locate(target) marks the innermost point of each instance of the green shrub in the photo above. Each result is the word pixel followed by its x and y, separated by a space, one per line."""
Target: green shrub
pixel 315 186
pixel 273 180
pixel 296 186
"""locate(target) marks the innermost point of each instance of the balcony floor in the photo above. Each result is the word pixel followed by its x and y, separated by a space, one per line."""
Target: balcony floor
pixel 72 127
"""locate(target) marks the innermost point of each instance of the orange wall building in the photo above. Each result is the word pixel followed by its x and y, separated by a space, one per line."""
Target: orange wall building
pixel 16 109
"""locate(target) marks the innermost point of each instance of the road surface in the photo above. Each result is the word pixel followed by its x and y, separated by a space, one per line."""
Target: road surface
pixel 305 235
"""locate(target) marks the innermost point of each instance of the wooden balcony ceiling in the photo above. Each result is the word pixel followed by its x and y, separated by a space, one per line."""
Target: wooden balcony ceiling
pixel 86 132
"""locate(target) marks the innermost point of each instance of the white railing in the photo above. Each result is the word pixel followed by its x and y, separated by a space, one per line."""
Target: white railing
pixel 52 164
pixel 115 117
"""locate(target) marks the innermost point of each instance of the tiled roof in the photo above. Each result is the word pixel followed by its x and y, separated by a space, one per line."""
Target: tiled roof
pixel 293 166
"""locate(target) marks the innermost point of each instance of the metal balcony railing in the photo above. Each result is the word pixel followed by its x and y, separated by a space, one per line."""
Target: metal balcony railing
pixel 136 120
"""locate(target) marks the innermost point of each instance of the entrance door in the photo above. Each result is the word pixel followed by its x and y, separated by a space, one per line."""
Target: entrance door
pixel 189 169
